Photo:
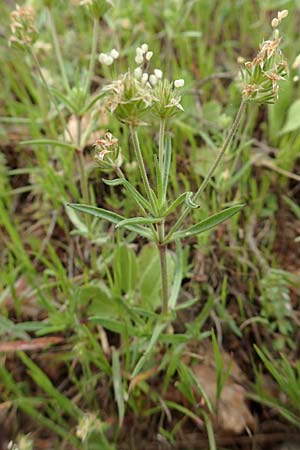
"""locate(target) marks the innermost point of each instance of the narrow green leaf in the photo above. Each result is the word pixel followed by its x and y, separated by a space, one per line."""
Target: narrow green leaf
pixel 51 142
pixel 140 200
pixel 92 102
pixel 110 324
pixel 138 221
pixel 62 97
pixel 43 381
pixel 158 329
pixel 208 223
pixel 177 277
pixel 177 202
pixel 117 383
pixel 110 217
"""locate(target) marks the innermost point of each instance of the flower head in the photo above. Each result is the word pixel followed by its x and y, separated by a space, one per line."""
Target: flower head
pixel 129 97
pixel 137 92
pixel 261 75
pixel 108 153
pixel 22 26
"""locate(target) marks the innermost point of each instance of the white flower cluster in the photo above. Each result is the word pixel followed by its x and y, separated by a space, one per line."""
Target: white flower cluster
pixel 142 56
pixel 108 58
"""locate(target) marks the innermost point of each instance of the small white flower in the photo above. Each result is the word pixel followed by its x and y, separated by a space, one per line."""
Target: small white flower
pixel 282 14
pixel 296 78
pixel 114 53
pixel 109 60
pixel 138 73
pixel 275 22
pixel 139 59
pixel 179 83
pixel 153 80
pixel 144 48
pixel 158 73
pixel 139 51
pixel 149 55
pixel 102 58
pixel 145 77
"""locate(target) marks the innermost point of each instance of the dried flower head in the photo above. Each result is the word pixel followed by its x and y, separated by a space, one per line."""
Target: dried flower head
pixel 261 75
pixel 129 97
pixel 22 26
pixel 108 153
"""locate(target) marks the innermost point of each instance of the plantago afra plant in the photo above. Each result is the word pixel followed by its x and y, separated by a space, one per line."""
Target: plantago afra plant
pixel 141 95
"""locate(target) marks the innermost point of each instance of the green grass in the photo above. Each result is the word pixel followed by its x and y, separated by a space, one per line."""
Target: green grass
pixel 97 287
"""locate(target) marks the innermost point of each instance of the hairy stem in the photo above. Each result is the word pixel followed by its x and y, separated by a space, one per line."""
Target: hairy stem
pixel 210 173
pixel 162 248
pixel 161 154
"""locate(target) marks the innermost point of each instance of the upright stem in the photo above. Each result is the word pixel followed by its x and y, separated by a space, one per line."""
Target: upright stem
pixel 162 248
pixel 140 161
pixel 161 148
pixel 210 173
pixel 83 177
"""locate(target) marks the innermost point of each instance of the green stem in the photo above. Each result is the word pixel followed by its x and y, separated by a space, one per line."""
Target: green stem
pixel 161 148
pixel 140 161
pixel 83 177
pixel 210 173
pixel 93 54
pixel 58 52
pixel 161 154
pixel 162 248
